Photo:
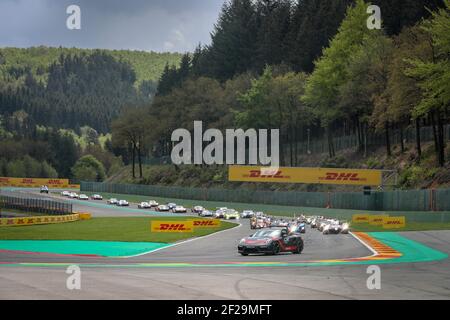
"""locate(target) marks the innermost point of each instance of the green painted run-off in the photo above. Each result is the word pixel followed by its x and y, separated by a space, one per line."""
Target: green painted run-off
pixel 71 247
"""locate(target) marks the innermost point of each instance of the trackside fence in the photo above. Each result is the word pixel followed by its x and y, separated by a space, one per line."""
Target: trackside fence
pixel 35 205
pixel 411 200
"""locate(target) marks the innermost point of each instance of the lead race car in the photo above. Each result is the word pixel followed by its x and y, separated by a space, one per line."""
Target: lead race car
pixel 271 241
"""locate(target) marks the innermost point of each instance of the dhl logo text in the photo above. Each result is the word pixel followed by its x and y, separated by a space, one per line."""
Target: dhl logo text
pixel 275 175
pixel 174 227
pixel 334 176
pixel 204 223
pixel 394 222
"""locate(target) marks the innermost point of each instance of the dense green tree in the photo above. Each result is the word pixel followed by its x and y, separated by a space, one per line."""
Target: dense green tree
pixel 314 23
pixel 403 91
pixel 273 21
pixel 398 14
pixel 234 39
pixel 88 168
pixel 434 75
pixel 130 131
pixel 275 102
pixel 331 70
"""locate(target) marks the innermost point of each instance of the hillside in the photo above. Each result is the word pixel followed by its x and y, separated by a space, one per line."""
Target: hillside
pixel 412 172
pixel 71 88
pixel 146 65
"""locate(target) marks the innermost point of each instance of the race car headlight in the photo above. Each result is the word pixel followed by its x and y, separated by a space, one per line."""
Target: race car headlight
pixel 345 226
pixel 242 241
pixel 326 227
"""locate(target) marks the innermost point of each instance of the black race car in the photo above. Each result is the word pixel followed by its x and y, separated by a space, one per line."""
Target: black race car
pixel 271 241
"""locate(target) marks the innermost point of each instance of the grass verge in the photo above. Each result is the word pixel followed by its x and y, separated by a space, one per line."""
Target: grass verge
pixel 136 229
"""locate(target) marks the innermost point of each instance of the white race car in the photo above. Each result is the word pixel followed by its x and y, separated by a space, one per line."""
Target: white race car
pixel 163 208
pixel 179 209
pixel 123 203
pixel 113 201
pixel 83 197
pixel 247 214
pixel 153 203
pixel 206 213
pixel 96 197
pixel 65 193
pixel 198 209
pixel 219 214
pixel 144 205
pixel 335 228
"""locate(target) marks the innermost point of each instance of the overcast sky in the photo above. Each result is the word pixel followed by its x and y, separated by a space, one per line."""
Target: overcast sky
pixel 158 25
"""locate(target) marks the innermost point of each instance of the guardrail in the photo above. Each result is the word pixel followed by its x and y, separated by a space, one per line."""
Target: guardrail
pixel 35 205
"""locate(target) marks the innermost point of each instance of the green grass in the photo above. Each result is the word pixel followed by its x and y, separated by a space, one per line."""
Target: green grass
pixel 410 226
pixel 106 229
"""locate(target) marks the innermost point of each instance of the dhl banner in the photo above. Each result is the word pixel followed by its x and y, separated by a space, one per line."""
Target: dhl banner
pixel 36 183
pixel 394 222
pixel 29 221
pixel 84 216
pixel 360 218
pixel 209 223
pixel 305 175
pixel 172 226
pixel 377 220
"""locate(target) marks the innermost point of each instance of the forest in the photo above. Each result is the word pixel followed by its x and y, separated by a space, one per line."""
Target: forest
pixel 57 104
pixel 311 68
pixel 307 66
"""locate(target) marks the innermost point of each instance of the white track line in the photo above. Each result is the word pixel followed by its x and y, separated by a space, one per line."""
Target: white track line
pixel 375 253
pixel 181 242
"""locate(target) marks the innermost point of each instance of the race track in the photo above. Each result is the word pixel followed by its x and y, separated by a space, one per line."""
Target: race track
pixel 176 278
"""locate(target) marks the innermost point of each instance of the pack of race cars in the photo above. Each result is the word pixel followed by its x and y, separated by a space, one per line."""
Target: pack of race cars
pixel 273 234
pixel 328 226
pixel 277 235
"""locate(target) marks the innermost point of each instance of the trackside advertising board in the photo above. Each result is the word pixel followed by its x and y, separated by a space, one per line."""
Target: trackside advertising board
pixel 394 222
pixel 34 182
pixel 305 175
pixel 360 218
pixel 172 226
pixel 210 223
pixel 377 220
pixel 29 221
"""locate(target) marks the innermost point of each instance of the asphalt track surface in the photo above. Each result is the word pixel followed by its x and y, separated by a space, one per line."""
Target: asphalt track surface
pixel 429 280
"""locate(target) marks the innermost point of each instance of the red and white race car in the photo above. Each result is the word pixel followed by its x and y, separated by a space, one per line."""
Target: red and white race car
pixel 271 241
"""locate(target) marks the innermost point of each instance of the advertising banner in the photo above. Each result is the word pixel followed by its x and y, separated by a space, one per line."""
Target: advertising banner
pixel 394 222
pixel 305 175
pixel 210 223
pixel 360 218
pixel 377 220
pixel 172 226
pixel 33 182
pixel 29 221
